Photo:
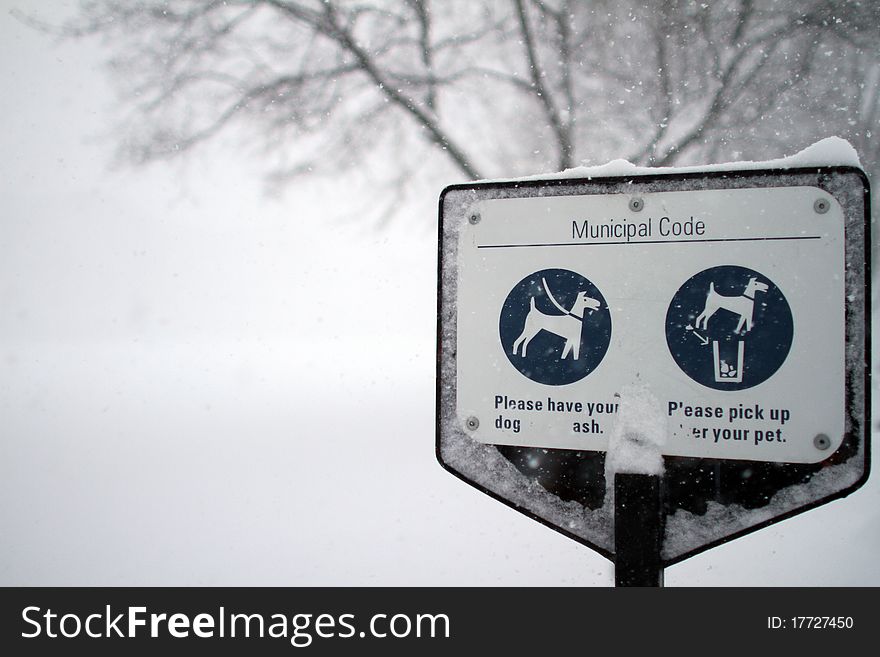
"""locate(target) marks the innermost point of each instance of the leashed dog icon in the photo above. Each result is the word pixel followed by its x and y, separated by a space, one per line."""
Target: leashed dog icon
pixel 568 325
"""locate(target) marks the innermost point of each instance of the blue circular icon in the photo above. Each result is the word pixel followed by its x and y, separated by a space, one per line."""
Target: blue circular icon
pixel 729 328
pixel 555 327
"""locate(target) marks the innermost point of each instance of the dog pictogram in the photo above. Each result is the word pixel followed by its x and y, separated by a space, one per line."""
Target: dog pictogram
pixel 729 328
pixel 567 326
pixel 742 305
pixel 555 327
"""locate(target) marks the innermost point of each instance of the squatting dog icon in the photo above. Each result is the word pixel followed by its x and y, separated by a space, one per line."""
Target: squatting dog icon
pixel 742 305
pixel 567 326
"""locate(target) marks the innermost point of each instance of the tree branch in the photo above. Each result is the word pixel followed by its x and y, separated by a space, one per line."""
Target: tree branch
pixel 327 24
pixel 563 138
pixel 722 99
pixel 420 8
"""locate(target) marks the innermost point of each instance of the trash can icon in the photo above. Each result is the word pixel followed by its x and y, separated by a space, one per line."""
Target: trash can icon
pixel 725 372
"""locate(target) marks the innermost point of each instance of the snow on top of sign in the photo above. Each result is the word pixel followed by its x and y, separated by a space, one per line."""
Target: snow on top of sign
pixel 831 151
pixel 636 441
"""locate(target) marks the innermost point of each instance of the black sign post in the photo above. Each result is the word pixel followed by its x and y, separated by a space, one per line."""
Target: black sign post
pixel 638 530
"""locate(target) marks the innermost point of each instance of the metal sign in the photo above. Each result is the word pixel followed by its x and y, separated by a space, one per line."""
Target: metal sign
pixel 738 298
pixel 562 300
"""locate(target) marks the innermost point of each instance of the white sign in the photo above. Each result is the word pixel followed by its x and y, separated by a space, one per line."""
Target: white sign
pixel 728 304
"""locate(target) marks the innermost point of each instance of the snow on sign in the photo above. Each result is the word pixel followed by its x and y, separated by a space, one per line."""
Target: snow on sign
pixel 737 297
pixel 564 299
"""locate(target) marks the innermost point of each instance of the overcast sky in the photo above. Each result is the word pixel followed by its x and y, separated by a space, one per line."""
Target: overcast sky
pixel 203 385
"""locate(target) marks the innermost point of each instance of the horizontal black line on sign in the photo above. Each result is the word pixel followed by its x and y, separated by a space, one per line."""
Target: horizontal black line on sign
pixel 719 239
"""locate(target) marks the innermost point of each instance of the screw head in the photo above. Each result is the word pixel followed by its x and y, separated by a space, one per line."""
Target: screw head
pixel 822 205
pixel 822 442
pixel 474 219
pixel 472 423
pixel 636 204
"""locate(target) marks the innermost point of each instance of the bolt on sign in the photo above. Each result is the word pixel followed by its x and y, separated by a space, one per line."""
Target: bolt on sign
pixel 739 298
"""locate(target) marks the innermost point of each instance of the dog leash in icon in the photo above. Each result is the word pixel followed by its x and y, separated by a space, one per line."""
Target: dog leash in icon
pixel 559 305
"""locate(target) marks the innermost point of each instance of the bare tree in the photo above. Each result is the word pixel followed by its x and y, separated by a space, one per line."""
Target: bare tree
pixel 496 88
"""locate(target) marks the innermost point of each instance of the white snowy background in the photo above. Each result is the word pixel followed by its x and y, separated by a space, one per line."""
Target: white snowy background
pixel 200 385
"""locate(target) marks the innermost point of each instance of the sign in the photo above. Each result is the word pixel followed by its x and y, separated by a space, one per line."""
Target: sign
pixel 744 307
pixel 563 300
pixel 737 297
pixel 553 325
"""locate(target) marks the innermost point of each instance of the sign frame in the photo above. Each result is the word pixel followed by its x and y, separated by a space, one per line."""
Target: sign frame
pixel 857 374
